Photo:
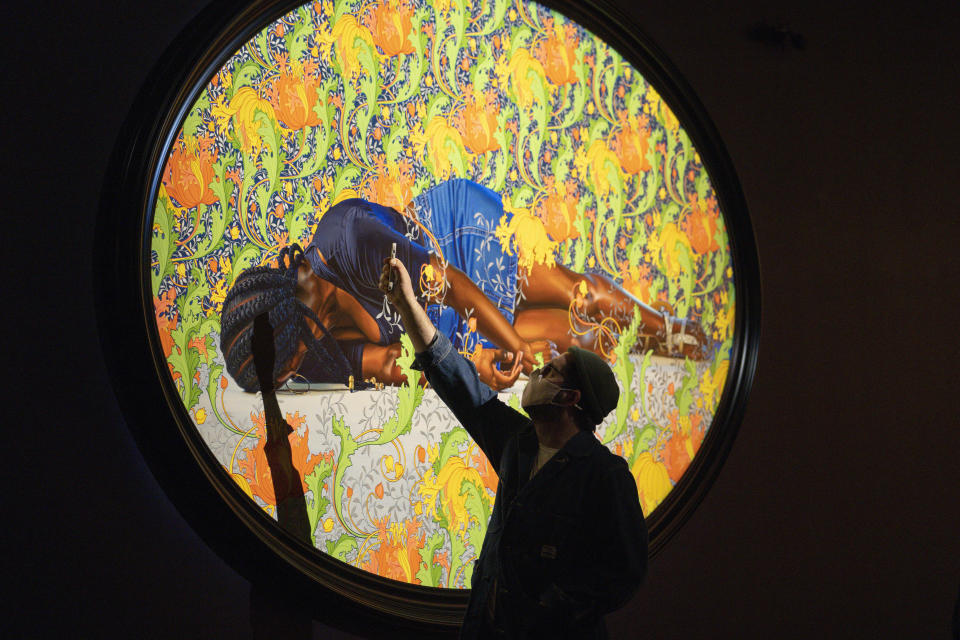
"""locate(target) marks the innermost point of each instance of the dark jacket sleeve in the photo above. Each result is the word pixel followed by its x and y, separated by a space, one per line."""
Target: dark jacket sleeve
pixel 615 564
pixel 489 421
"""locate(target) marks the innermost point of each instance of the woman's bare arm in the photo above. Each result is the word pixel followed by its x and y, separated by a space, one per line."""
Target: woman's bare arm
pixel 380 363
pixel 466 298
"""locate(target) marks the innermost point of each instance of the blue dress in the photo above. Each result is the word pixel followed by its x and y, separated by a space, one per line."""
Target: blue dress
pixel 355 236
pixel 463 217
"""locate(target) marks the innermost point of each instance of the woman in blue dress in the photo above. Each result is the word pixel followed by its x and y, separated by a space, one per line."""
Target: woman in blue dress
pixel 331 323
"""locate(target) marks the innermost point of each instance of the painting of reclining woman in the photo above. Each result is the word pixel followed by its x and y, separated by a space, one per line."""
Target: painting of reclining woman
pixel 540 192
pixel 332 325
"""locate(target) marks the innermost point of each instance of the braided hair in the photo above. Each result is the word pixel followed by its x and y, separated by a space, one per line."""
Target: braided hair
pixel 273 291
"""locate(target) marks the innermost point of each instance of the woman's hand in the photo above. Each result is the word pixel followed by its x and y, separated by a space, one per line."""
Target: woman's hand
pixel 380 363
pixel 486 362
pixel 547 348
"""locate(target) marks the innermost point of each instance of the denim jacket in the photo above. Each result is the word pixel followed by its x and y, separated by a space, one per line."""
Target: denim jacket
pixel 562 548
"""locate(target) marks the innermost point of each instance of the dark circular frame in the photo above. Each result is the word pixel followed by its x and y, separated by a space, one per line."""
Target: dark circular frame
pixel 209 500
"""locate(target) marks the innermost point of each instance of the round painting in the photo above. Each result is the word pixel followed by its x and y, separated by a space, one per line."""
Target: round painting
pixel 538 188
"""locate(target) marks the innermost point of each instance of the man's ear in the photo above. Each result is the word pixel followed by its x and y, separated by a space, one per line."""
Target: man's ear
pixel 570 396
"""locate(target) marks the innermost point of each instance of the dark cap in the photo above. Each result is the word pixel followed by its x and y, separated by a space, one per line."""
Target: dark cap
pixel 599 392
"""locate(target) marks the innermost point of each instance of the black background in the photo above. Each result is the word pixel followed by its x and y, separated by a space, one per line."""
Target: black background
pixel 835 514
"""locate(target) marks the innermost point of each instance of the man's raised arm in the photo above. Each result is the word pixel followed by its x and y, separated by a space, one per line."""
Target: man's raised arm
pixel 419 328
pixel 453 377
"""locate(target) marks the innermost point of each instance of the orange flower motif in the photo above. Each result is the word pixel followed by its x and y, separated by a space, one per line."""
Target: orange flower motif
pixel 488 476
pixel 398 555
pixel 188 175
pixel 477 123
pixel 389 24
pixel 680 448
pixel 392 186
pixel 559 212
pixel 200 344
pixel 558 54
pixel 293 95
pixel 701 228
pixel 382 561
pixel 675 457
pixel 165 304
pixel 696 432
pixel 631 146
pixel 256 469
pixel 281 239
pixel 295 420
pixel 164 327
pixel 166 321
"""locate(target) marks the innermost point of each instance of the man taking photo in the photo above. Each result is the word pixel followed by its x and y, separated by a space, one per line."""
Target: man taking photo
pixel 566 543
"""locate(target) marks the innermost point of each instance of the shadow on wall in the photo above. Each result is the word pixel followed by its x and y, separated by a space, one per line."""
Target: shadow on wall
pixel 271 614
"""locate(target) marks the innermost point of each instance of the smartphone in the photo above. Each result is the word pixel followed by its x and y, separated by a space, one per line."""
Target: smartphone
pixel 393 254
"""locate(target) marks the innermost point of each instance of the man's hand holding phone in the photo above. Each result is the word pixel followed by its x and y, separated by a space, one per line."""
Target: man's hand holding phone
pixel 395 284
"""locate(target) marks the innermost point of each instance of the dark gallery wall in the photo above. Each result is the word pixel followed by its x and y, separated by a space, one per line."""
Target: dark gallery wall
pixel 836 513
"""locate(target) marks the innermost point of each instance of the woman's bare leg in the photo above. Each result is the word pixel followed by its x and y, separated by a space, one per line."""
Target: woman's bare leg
pixel 466 298
pixel 554 288
pixel 554 325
